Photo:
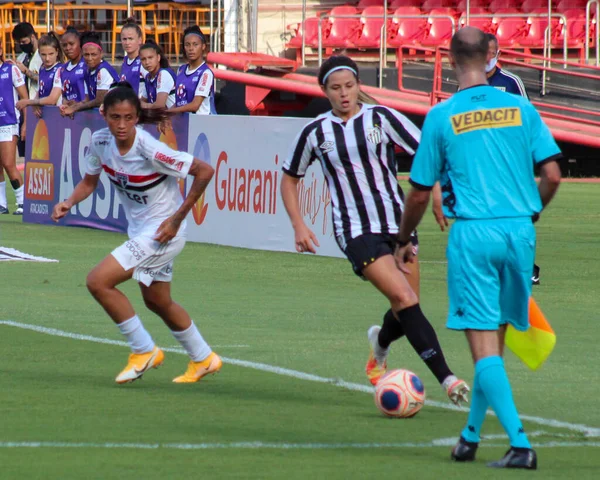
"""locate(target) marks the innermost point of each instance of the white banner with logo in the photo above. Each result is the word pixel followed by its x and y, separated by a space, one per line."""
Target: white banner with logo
pixel 242 206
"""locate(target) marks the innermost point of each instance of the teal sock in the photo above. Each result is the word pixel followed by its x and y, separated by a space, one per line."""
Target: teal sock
pixel 479 406
pixel 494 384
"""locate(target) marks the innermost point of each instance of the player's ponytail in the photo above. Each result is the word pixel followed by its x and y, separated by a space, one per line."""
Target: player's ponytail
pixel 123 92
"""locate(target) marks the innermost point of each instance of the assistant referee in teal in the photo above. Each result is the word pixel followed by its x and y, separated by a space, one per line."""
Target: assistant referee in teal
pixel 482 146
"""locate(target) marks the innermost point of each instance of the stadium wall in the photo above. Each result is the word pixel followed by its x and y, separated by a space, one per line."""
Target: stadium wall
pixel 242 206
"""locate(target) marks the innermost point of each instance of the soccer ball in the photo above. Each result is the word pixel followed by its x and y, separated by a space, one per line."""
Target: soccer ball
pixel 400 394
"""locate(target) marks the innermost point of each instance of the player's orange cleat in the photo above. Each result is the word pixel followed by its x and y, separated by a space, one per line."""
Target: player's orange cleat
pixel 197 370
pixel 375 368
pixel 139 363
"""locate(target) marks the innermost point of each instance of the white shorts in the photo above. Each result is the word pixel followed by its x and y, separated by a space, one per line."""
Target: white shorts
pixel 151 261
pixel 7 132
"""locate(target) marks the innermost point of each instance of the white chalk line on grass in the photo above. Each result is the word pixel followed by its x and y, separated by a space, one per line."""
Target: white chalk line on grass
pixel 267 446
pixel 585 430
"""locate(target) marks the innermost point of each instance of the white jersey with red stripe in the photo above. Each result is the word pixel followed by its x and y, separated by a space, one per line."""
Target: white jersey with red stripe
pixel 145 178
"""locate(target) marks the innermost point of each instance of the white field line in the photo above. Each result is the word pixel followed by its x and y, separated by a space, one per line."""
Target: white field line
pixel 585 430
pixel 265 445
pixel 218 346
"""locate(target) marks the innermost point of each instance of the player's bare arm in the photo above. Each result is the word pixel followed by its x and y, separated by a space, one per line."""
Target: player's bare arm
pixel 82 191
pixel 414 209
pixel 305 239
pixel 436 206
pixel 202 173
pixel 549 181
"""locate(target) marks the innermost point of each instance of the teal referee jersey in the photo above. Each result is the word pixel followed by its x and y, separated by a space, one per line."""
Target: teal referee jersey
pixel 482 145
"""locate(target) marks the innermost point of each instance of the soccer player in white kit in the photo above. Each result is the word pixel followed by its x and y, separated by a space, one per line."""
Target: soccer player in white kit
pixel 144 172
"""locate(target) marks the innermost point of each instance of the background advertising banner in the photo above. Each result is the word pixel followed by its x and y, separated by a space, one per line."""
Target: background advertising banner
pixel 55 162
pixel 242 205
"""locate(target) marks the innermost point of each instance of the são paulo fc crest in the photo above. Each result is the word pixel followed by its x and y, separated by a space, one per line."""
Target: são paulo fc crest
pixel 180 90
pixel 122 179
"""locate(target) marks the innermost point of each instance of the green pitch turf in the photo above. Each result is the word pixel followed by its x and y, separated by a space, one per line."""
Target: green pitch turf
pixel 62 416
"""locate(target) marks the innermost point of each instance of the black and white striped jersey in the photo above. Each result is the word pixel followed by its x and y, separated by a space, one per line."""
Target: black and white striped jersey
pixel 358 161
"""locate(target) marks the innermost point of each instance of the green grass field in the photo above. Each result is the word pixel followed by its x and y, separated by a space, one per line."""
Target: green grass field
pixel 62 415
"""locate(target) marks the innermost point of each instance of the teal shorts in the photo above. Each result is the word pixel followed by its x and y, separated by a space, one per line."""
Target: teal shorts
pixel 489 273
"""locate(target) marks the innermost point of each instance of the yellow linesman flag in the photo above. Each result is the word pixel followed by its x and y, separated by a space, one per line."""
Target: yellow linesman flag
pixel 535 345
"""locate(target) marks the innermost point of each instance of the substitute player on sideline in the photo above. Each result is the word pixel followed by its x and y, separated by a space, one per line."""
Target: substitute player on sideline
pixel 481 145
pixel 144 172
pixel 355 145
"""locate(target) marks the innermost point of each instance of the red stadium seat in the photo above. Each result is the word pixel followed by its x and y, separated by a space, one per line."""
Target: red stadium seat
pixel 496 5
pixel 370 34
pixel 461 6
pixel 429 5
pixel 531 5
pixel 342 31
pixel 511 31
pixel 575 29
pixel 535 33
pixel 312 34
pixel 406 31
pixel 440 30
pixel 362 4
pixel 483 23
pixel 565 5
pixel 395 4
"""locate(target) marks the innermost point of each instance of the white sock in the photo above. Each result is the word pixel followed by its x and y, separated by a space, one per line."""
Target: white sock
pixel 193 343
pixel 19 194
pixel 3 201
pixel 448 381
pixel 137 336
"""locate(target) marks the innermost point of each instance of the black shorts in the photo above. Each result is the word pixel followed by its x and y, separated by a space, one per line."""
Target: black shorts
pixel 363 250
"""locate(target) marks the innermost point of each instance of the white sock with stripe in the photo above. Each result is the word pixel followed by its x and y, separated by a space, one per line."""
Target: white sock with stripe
pixel 137 336
pixel 193 343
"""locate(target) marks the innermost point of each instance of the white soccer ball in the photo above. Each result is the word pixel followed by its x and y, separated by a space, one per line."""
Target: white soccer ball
pixel 400 394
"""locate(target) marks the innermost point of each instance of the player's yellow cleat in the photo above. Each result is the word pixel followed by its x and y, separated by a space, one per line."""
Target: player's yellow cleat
pixel 458 392
pixel 139 363
pixel 196 370
pixel 375 369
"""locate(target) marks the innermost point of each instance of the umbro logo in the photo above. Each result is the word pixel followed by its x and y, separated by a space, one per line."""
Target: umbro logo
pixel 327 146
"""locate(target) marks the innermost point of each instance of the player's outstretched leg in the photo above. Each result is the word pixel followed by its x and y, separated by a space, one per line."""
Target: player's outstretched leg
pixel 102 282
pixel 386 277
pixel 203 361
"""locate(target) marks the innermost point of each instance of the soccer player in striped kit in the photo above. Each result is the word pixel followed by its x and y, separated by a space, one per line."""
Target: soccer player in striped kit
pixel 195 92
pixel 12 87
pixel 144 172
pixel 100 75
pixel 354 144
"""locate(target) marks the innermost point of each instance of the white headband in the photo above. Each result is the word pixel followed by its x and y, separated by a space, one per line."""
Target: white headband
pixel 335 69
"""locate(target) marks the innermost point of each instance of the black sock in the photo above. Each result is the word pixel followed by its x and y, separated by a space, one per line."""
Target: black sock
pixel 15 184
pixel 423 339
pixel 390 331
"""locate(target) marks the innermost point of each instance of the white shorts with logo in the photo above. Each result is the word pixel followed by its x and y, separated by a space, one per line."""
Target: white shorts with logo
pixel 151 261
pixel 7 132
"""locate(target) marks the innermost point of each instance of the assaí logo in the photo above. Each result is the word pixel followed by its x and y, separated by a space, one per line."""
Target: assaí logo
pixel 202 152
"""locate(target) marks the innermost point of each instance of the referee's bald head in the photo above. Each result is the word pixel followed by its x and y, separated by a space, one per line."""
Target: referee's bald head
pixel 469 48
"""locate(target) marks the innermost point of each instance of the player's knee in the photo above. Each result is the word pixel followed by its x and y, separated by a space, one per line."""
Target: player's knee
pixel 94 284
pixel 401 299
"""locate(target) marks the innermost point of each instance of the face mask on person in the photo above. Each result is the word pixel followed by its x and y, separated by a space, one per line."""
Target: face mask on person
pixel 27 48
pixel 491 64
